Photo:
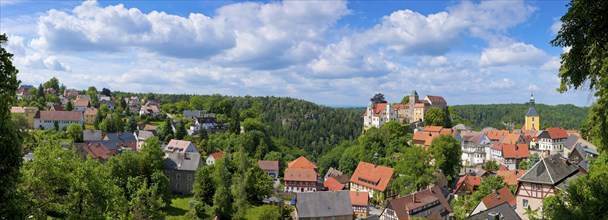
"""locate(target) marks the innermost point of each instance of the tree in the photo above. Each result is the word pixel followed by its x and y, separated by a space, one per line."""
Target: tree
pixel 258 184
pixel 222 203
pixel 465 204
pixel 144 205
pixel 40 92
pixel 180 130
pixel 10 155
pixel 75 132
pixel 56 125
pixel 378 98
pixel 235 122
pixel 20 121
pixel 92 91
pixel 106 92
pixel 534 158
pixel 204 187
pixel 69 106
pixel 490 165
pixel 446 151
pixel 413 170
pixel 405 100
pixel 52 83
pixel 131 124
pixel 166 131
pixel 435 117
pixel 584 31
pixel 98 120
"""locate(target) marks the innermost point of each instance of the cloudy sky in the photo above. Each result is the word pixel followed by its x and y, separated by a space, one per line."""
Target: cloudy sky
pixel 336 53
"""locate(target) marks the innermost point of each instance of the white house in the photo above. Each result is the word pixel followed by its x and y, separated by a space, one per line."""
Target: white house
pixel 46 119
pixel 377 114
pixel 475 148
pixel 180 146
pixel 552 139
pixel 211 158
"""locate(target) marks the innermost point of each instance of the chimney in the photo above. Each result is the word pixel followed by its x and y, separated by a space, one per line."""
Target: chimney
pixel 376 156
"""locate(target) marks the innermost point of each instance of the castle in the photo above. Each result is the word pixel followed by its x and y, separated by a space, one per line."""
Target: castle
pixel 377 114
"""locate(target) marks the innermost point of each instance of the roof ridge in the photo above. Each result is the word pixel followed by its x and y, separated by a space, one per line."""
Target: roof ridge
pixel 549 173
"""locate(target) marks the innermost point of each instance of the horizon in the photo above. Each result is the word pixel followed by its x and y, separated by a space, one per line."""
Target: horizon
pixel 467 52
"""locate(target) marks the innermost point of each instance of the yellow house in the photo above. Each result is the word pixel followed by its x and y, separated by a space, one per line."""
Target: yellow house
pixel 532 117
pixel 28 112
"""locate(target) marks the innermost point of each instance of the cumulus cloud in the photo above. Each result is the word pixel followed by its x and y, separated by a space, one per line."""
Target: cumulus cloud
pixel 556 26
pixel 514 54
pixel 552 64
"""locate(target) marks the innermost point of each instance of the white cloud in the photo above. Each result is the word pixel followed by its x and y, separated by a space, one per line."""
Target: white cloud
pixel 556 26
pixel 552 64
pixel 514 54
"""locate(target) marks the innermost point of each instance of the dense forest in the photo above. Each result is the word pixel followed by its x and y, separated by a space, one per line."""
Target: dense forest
pixel 511 116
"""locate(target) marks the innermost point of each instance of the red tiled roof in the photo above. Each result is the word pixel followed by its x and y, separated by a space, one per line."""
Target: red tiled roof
pixel 419 105
pixel 367 172
pixel 57 107
pixel 515 151
pixel 98 150
pixel 557 133
pixel 401 106
pixel 510 176
pixel 81 102
pixel 498 197
pixel 469 181
pixel 378 109
pixel 359 198
pixel 217 155
pixel 436 99
pixel 332 184
pixel 432 128
pixel 90 111
pixel 268 164
pixel 510 138
pixel 300 174
pixel 59 115
pixel 301 162
pixel 503 167
pixel 177 144
pixel 498 146
pixel 150 128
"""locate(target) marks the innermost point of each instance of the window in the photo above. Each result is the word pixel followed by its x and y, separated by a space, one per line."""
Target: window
pixel 525 203
pixel 177 176
pixel 189 177
pixel 189 186
pixel 177 186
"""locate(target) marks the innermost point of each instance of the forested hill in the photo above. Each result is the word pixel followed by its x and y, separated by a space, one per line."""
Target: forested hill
pixel 507 116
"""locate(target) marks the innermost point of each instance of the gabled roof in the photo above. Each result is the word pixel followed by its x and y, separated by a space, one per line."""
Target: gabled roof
pixel 515 151
pixel 144 135
pixel 81 102
pixel 17 109
pixel 550 170
pixel 59 115
pixel 332 172
pixel 510 176
pixel 120 136
pixel 183 161
pixel 359 198
pixel 556 133
pixel 91 111
pixel 511 138
pixel 372 176
pixel 217 155
pixel 323 204
pixel 300 174
pixel 98 150
pixel 468 181
pixel 432 128
pixel 332 184
pixel 268 164
pixel 91 135
pixel 301 162
pixel 435 100
pixel 498 197
pixel 177 144
pixel 377 109
pixel 56 107
pixel 403 205
pixel 504 211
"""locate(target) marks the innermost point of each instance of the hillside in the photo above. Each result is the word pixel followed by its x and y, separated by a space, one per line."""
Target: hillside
pixel 507 116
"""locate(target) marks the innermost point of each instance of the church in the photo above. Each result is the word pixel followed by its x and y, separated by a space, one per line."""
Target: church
pixel 532 117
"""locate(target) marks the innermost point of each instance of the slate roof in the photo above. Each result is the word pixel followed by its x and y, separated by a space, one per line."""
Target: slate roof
pixel 183 161
pixel 403 205
pixel 193 113
pixel 367 172
pixel 121 136
pixel 503 210
pixel 332 172
pixel 91 135
pixel 144 135
pixel 532 112
pixel 550 170
pixel 323 204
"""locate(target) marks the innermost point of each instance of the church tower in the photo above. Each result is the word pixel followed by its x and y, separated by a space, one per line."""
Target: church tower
pixel 532 117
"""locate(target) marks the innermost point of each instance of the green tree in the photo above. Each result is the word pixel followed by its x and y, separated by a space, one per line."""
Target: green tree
pixel 10 155
pixel 40 92
pixel 56 125
pixel 446 151
pixel 166 131
pixel 584 31
pixel 69 106
pixel 405 100
pixel 235 122
pixel 180 130
pixel 75 132
pixel 204 187
pixel 258 184
pixel 20 121
pixel 413 170
pixel 534 158
pixel 52 83
pixel 490 165
pixel 222 203
pixel 144 205
pixel 435 117
pixel 239 195
pixel 131 124
pixel 98 120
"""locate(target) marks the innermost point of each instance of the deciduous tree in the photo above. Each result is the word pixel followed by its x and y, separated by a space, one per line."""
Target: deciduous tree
pixel 446 152
pixel 435 117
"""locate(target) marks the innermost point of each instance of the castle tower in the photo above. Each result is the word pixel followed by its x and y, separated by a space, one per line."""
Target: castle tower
pixel 532 117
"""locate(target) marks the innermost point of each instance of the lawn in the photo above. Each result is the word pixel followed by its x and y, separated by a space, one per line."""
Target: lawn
pixel 180 204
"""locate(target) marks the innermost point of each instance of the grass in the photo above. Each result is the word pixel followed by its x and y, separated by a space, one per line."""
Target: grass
pixel 89 127
pixel 180 204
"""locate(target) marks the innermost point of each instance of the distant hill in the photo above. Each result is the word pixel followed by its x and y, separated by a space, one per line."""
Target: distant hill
pixel 507 116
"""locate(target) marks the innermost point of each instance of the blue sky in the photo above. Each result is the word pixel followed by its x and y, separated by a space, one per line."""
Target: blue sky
pixel 336 53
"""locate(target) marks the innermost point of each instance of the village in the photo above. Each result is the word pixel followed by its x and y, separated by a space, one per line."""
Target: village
pixel 533 163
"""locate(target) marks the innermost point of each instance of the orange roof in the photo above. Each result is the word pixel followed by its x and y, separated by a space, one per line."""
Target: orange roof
pixel 90 111
pixel 469 181
pixel 436 99
pixel 300 174
pixel 372 176
pixel 216 155
pixel 400 106
pixel 424 138
pixel 301 162
pixel 511 138
pixel 359 198
pixel 432 128
pixel 332 184
pixel 510 176
pixel 503 167
pixel 515 151
pixel 498 146
pixel 498 197
pixel 150 127
pixel 557 133
pixel 81 102
pixel 419 105
pixel 378 109
pixel 447 131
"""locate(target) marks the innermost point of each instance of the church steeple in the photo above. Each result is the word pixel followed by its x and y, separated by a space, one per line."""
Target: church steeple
pixel 532 116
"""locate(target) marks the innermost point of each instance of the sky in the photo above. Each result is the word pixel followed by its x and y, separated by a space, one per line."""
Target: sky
pixel 335 53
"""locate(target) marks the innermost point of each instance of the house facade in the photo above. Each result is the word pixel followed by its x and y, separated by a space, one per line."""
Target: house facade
pixel 81 104
pixel 377 114
pixel 552 139
pixel 89 115
pixel 417 108
pixel 180 168
pixel 429 204
pixel 151 108
pixel 475 147
pixel 301 175
pixel 374 179
pixel 211 158
pixel 360 202
pixel 28 112
pixel 513 154
pixel 46 119
pixel 270 167
pixel 542 180
pixel 179 146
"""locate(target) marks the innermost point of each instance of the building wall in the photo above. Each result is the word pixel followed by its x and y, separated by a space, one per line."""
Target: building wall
pixel 551 144
pixel 532 196
pixel 89 119
pixel 300 186
pixel 532 122
pixel 180 181
pixel 343 217
pixel 272 173
pixel 360 211
pixel 50 125
pixel 29 116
